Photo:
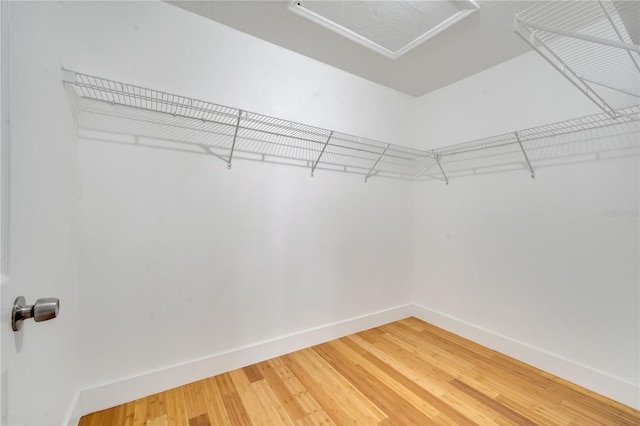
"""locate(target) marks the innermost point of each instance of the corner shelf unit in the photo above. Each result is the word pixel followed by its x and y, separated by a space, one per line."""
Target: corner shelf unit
pixel 594 44
pixel 163 120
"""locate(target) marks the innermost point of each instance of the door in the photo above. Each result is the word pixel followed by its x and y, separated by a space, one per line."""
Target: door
pixel 4 157
pixel 39 256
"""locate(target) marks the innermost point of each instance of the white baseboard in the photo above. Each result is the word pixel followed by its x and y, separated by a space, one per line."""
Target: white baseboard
pixel 116 393
pixel 596 381
pixel 73 415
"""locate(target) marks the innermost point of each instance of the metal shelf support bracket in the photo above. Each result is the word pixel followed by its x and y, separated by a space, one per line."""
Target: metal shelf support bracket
pixel 526 157
pixel 376 163
pixel 437 157
pixel 235 137
pixel 313 168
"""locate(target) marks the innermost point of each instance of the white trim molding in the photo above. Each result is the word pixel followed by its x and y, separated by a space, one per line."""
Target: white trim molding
pixel 597 381
pixel 4 139
pixel 128 389
pixel 467 7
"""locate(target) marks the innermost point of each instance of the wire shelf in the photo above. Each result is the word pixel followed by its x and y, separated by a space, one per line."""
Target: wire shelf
pixel 594 44
pixel 523 148
pixel 228 133
pixel 162 120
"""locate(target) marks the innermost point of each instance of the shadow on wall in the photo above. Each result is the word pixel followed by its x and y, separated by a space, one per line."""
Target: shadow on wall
pixel 592 138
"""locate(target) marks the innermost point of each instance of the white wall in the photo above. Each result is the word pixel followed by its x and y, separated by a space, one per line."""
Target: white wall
pixel 183 259
pixel 41 361
pixel 160 46
pixel 539 262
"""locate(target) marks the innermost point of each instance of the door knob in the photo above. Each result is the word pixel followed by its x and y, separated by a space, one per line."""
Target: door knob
pixel 43 310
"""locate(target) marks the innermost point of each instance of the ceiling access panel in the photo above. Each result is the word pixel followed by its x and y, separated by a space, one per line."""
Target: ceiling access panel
pixel 391 28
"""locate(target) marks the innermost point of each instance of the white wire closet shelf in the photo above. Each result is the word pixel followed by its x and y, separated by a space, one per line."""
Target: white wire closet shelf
pixel 180 123
pixel 592 136
pixel 594 44
pixel 229 133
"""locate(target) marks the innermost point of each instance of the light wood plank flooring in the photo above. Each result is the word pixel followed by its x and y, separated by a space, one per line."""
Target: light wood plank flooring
pixel 404 373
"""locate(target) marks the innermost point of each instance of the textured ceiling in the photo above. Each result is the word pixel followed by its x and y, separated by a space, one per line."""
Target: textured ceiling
pixel 481 40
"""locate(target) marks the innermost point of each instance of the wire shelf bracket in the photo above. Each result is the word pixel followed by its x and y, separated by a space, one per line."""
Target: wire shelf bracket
pixel 375 164
pixel 437 157
pixel 324 147
pixel 592 44
pixel 526 157
pixel 235 138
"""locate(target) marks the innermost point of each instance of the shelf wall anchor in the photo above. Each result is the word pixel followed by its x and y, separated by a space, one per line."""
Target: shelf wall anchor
pixel 313 168
pixel 526 157
pixel 235 136
pixel 437 157
pixel 376 163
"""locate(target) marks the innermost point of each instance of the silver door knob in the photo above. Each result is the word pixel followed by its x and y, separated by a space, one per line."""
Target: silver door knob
pixel 43 310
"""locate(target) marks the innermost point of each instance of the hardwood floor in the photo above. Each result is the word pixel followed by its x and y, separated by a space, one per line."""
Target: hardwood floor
pixel 407 372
